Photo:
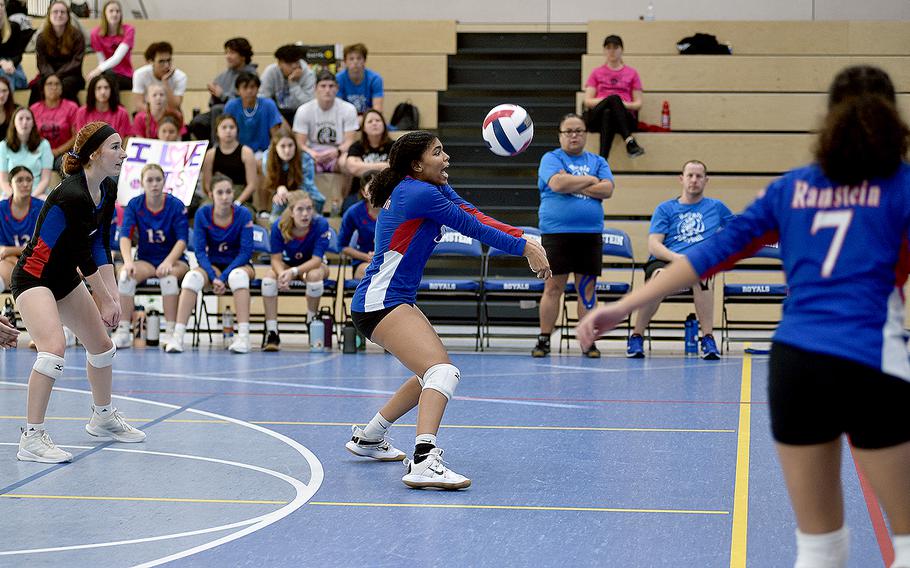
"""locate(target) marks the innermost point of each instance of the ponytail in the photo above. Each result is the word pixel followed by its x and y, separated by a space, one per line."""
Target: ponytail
pixel 404 152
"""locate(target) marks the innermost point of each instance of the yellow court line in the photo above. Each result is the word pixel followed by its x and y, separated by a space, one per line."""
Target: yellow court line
pixel 741 490
pixel 146 499
pixel 519 508
pixel 468 426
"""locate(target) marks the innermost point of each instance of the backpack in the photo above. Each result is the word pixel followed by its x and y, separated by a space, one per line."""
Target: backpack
pixel 702 44
pixel 405 117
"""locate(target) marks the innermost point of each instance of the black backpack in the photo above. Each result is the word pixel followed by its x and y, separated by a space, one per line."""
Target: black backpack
pixel 405 117
pixel 702 44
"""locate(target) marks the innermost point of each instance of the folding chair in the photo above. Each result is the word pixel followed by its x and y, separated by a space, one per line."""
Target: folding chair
pixel 753 284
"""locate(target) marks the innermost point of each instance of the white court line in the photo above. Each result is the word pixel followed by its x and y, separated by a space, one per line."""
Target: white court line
pixel 305 492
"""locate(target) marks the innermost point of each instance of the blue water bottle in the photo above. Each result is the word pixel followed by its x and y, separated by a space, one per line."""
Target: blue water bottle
pixel 691 335
pixel 317 335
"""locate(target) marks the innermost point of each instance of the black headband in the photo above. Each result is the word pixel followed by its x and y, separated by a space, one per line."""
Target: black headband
pixel 92 144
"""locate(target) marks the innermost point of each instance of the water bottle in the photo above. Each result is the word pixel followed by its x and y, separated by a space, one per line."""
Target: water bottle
pixel 227 326
pixel 665 115
pixel 349 338
pixel 691 347
pixel 649 15
pixel 154 328
pixel 9 311
pixel 140 335
pixel 317 335
pixel 328 322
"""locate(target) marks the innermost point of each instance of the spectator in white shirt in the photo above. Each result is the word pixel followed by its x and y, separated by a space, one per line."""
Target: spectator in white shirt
pixel 159 69
pixel 326 126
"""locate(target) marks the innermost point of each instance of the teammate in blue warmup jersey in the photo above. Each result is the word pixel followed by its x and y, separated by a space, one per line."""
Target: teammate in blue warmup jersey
pixel 299 241
pixel 18 216
pixel 160 225
pixel 839 357
pixel 360 218
pixel 416 201
pixel 72 241
pixel 223 244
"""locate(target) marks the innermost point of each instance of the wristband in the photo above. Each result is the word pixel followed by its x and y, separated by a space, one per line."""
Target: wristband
pixel 295 271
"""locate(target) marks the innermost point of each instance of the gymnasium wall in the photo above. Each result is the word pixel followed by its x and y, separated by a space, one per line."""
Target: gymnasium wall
pixel 533 11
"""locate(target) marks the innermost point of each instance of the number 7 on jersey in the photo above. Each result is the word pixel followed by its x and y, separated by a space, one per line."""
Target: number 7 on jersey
pixel 840 222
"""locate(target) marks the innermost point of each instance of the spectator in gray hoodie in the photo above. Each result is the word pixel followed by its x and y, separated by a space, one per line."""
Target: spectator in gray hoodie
pixel 289 82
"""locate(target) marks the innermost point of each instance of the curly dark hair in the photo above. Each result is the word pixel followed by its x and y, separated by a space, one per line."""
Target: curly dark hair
pixel 405 151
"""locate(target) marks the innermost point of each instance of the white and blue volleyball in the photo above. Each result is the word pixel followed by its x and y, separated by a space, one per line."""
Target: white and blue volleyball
pixel 508 130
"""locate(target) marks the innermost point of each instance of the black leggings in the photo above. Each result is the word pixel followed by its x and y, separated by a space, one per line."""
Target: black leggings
pixel 610 117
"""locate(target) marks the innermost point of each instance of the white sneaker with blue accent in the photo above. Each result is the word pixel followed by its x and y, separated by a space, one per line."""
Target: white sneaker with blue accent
pixel 432 472
pixel 381 449
pixel 113 426
pixel 37 446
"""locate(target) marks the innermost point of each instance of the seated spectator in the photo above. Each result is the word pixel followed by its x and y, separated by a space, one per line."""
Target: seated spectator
pixel 358 85
pixel 13 39
pixel 676 226
pixel 25 147
pixel 326 126
pixel 290 82
pixel 7 105
pixel 286 169
pixel 113 43
pixel 169 128
pixel 59 50
pixel 369 154
pixel 223 244
pixel 159 69
pixel 102 102
pixel 360 218
pixel 145 122
pixel 238 55
pixel 18 217
pixel 160 225
pixel 613 99
pixel 56 118
pixel 299 241
pixel 230 158
pixel 257 118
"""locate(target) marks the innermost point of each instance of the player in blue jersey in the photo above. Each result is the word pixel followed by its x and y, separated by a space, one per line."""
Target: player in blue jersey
pixel 299 241
pixel 18 216
pixel 416 201
pixel 72 236
pixel 676 226
pixel 360 218
pixel 839 357
pixel 159 223
pixel 223 244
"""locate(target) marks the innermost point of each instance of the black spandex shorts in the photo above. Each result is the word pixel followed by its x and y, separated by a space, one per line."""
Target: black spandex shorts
pixel 60 288
pixel 366 322
pixel 581 253
pixel 814 398
pixel 655 264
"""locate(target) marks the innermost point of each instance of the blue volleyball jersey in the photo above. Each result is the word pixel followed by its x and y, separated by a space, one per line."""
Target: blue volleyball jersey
pixel 409 225
pixel 15 232
pixel 357 219
pixel 299 250
pixel 684 225
pixel 157 233
pixel 845 253
pixel 226 247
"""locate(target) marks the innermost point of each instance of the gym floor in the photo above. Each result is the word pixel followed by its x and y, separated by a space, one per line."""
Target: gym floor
pixel 664 461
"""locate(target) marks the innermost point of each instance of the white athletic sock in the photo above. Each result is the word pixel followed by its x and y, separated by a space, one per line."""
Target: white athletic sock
pixel 377 428
pixel 271 325
pixel 179 330
pixel 901 551
pixel 31 429
pixel 169 327
pixel 103 410
pixel 243 328
pixel 828 550
pixel 310 316
pixel 124 325
pixel 425 439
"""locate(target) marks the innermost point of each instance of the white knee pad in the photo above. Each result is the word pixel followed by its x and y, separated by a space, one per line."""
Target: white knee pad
pixel 901 551
pixel 828 550
pixel 194 280
pixel 442 378
pixel 269 287
pixel 169 286
pixel 2 285
pixel 49 365
pixel 126 285
pixel 314 289
pixel 238 279
pixel 102 360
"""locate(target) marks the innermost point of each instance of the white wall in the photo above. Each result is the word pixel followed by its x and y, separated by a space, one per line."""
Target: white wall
pixel 529 11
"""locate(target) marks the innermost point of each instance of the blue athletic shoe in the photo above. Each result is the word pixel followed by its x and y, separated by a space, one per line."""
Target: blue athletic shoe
pixel 636 347
pixel 709 348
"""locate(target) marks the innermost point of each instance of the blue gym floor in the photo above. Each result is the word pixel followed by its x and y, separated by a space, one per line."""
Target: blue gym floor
pixel 575 462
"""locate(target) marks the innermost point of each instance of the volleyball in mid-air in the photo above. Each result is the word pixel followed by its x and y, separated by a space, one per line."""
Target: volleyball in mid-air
pixel 508 130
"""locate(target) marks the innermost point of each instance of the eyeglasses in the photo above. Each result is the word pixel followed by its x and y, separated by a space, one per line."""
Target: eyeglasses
pixel 572 132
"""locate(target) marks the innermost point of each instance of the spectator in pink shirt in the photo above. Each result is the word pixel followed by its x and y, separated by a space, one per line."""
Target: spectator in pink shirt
pixel 56 118
pixel 113 43
pixel 102 102
pixel 613 99
pixel 146 121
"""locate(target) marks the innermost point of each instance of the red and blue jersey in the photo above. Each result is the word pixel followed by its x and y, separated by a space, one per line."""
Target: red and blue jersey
pixel 357 219
pixel 845 254
pixel 157 232
pixel 227 247
pixel 407 230
pixel 296 251
pixel 15 231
